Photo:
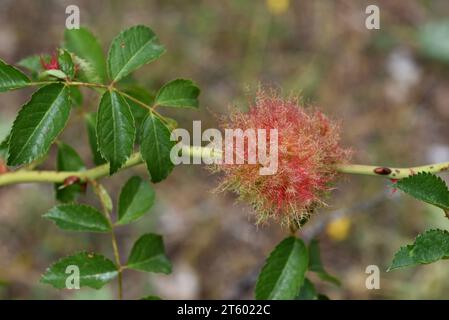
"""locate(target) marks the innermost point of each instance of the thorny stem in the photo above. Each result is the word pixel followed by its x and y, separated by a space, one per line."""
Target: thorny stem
pixel 59 176
pixel 99 191
pixel 391 172
pixel 101 171
pixel 20 176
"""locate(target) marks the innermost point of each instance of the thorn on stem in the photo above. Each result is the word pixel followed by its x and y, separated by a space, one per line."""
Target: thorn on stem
pixel 69 181
pixel 384 171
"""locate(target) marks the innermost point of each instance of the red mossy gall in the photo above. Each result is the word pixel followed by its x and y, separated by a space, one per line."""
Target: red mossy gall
pixel 52 64
pixel 308 148
pixel 3 167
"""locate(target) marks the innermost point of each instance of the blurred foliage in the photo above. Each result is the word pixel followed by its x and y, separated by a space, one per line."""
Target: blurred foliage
pixel 431 38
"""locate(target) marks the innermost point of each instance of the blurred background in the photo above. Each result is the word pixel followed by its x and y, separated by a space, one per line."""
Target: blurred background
pixel 389 88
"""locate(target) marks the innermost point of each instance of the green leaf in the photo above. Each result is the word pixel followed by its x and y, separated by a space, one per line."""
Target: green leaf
pixel 94 271
pixel 38 124
pixel 179 93
pixel 138 111
pixel 136 198
pixel 148 255
pixel 86 72
pixel 115 130
pixel 307 291
pixel 429 247
pixel 402 258
pixel 78 217
pixel 85 46
pixel 432 39
pixel 426 187
pixel 53 73
pixel 67 159
pixel 91 122
pixel 4 147
pixel 283 274
pixel 33 64
pixel 155 146
pixel 131 49
pixel 66 64
pixel 11 78
pixel 316 265
pixel 172 124
pixel 76 97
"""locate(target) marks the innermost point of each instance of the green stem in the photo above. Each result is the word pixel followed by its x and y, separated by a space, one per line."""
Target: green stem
pixel 143 105
pixel 59 176
pixel 99 191
pixel 136 159
pixel 391 172
pixel 87 84
pixel 39 83
pixel 117 261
